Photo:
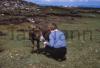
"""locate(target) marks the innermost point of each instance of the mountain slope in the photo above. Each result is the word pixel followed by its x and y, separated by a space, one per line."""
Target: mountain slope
pixel 16 6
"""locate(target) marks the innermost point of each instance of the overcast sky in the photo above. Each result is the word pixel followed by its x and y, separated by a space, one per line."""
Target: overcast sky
pixel 95 3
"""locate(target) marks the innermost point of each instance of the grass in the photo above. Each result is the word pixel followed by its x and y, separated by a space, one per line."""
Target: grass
pixel 81 53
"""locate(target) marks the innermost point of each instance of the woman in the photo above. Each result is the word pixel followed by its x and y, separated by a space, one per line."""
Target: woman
pixel 56 46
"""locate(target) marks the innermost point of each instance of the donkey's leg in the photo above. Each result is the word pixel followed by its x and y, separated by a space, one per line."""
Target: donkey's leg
pixel 31 37
pixel 33 44
pixel 38 45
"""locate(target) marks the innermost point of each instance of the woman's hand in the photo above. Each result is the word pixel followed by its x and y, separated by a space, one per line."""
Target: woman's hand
pixel 45 43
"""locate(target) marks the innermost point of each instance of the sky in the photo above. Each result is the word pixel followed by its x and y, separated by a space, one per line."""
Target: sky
pixel 85 3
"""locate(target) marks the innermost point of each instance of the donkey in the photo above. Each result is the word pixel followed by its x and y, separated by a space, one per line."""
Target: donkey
pixel 35 35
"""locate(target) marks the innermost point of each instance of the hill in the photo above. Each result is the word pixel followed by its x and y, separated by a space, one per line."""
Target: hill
pixel 16 7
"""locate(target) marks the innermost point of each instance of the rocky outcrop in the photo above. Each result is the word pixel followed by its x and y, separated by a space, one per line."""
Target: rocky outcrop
pixel 16 7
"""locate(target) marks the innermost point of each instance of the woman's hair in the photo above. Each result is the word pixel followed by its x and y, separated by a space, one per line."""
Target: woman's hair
pixel 53 25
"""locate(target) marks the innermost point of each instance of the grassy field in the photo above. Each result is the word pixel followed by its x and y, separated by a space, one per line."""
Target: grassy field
pixel 82 53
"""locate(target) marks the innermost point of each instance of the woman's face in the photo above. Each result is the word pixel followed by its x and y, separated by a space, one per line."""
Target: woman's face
pixel 50 27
